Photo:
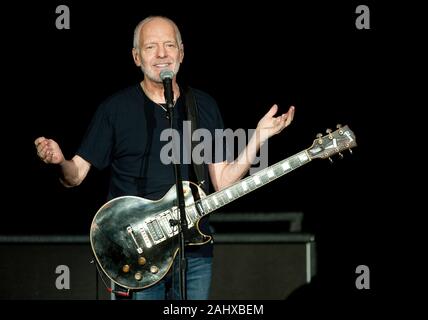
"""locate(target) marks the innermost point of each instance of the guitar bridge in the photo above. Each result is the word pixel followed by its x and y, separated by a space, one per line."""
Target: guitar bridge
pixel 131 233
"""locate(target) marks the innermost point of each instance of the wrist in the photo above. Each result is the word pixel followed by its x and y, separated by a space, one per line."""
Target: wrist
pixel 261 135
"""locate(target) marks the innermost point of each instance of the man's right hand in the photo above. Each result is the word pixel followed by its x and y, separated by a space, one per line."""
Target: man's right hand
pixel 49 151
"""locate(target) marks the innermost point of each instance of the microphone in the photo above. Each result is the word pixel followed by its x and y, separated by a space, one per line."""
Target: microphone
pixel 166 77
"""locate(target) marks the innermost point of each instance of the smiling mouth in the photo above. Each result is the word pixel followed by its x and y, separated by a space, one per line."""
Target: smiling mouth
pixel 162 65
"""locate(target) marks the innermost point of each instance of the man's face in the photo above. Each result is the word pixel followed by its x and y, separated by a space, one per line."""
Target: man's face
pixel 158 49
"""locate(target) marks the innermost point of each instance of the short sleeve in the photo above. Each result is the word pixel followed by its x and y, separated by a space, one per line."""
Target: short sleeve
pixel 97 144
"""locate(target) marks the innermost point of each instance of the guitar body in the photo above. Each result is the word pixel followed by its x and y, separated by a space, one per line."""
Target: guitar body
pixel 131 241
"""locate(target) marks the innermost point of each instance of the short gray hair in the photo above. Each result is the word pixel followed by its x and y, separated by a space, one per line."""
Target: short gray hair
pixel 148 19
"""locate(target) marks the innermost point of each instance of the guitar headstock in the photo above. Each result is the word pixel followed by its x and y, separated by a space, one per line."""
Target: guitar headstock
pixel 332 143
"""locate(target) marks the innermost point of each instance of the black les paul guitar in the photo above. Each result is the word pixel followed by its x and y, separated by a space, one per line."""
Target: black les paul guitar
pixel 133 240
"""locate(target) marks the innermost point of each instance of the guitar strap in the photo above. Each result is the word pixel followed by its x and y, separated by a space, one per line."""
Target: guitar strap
pixel 192 116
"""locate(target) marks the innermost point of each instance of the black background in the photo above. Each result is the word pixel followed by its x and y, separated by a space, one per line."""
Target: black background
pixel 248 57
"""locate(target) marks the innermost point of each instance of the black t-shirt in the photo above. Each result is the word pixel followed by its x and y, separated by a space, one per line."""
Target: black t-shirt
pixel 125 135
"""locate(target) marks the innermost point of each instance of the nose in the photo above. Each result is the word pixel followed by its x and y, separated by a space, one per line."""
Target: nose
pixel 162 52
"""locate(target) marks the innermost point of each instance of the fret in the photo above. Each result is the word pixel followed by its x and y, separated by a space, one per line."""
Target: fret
pixel 285 166
pixel 294 162
pixel 223 197
pixel 193 213
pixel 278 171
pixel 303 157
pixel 270 174
pixel 264 178
pixel 251 184
pixel 211 203
pixel 233 192
pixel 244 186
pixel 207 205
pixel 256 179
pixel 237 191
pixel 219 198
pixel 229 194
pixel 217 204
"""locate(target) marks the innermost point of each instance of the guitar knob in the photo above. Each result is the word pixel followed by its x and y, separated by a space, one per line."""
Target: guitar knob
pixel 154 269
pixel 125 268
pixel 138 276
pixel 141 261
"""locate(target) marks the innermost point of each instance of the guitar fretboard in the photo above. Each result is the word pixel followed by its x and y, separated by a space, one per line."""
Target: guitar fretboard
pixel 257 180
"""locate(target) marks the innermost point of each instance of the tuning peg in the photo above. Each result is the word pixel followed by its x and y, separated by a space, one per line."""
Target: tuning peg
pixel 328 130
pixel 340 155
pixel 330 159
pixel 330 136
pixel 319 137
pixel 350 151
pixel 339 127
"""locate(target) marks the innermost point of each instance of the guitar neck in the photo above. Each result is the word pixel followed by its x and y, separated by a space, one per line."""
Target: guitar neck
pixel 253 182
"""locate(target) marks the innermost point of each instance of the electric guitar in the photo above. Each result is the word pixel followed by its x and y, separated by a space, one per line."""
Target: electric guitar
pixel 135 241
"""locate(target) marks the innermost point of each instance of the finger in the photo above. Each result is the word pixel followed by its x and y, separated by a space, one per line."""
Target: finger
pixel 290 116
pixel 291 110
pixel 46 152
pixel 39 140
pixel 42 151
pixel 48 156
pixel 272 111
pixel 42 145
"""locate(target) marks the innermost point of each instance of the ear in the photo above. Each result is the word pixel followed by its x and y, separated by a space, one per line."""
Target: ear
pixel 136 57
pixel 181 53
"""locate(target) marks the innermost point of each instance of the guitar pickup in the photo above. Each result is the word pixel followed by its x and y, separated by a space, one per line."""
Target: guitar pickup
pixel 164 221
pixel 155 231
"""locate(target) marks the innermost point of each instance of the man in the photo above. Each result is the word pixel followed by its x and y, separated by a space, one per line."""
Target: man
pixel 125 136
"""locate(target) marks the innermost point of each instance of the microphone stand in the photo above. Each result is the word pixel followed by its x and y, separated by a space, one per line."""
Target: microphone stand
pixel 182 224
